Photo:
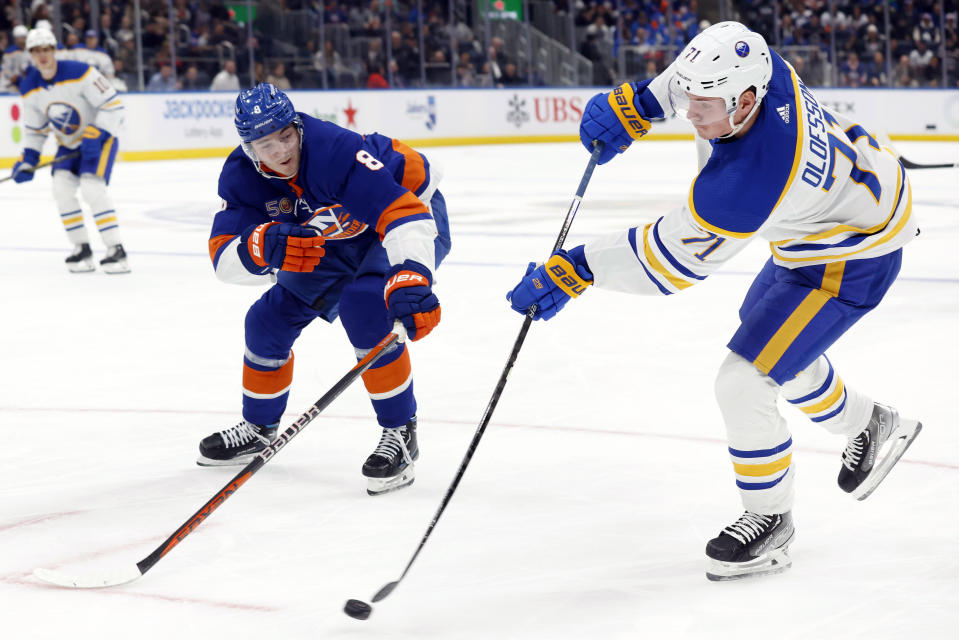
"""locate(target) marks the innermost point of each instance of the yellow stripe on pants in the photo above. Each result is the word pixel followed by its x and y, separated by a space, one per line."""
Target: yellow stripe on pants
pixel 801 317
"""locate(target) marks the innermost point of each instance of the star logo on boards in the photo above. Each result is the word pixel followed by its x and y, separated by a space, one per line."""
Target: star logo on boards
pixel 350 114
pixel 783 112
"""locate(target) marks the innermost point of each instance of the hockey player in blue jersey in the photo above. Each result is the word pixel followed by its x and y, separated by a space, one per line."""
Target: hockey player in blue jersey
pixel 343 225
pixel 836 208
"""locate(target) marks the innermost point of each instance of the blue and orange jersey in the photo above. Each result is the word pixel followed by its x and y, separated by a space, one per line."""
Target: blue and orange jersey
pixel 348 185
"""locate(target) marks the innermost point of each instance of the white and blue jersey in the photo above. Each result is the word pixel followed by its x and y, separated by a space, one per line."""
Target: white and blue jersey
pixel 77 97
pixel 834 205
pixel 817 187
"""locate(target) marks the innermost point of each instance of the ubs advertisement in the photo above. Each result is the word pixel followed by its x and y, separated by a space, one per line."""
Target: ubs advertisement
pixel 201 124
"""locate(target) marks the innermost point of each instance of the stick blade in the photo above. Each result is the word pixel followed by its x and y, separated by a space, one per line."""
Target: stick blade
pixel 385 591
pixel 918 165
pixel 110 579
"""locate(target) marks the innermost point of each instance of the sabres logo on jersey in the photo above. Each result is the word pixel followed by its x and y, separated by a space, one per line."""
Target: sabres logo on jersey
pixel 64 118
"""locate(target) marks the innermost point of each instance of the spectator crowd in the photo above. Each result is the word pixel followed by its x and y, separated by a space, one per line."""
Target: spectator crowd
pixel 200 45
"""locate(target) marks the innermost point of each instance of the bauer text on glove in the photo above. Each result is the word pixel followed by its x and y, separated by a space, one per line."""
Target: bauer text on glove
pixel 617 118
pixel 550 286
pixel 281 245
pixel 410 298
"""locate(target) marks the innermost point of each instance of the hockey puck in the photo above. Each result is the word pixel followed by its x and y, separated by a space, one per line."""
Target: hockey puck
pixel 357 609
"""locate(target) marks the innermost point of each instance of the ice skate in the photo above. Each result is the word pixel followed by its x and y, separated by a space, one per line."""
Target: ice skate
pixel 81 260
pixel 390 466
pixel 115 260
pixel 871 455
pixel 236 445
pixel 754 545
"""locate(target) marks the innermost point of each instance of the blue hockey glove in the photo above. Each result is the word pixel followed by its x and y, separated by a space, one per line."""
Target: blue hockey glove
pixel 615 119
pixel 91 146
pixel 550 286
pixel 24 168
pixel 281 245
pixel 410 299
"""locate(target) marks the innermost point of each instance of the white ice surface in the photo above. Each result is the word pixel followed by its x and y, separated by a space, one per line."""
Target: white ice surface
pixel 586 509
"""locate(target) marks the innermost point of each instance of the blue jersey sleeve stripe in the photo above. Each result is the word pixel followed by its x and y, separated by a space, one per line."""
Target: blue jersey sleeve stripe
pixel 676 264
pixel 854 239
pixel 632 244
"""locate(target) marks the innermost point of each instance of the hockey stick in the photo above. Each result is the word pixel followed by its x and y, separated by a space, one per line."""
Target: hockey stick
pixel 132 572
pixel 361 610
pixel 909 164
pixel 66 156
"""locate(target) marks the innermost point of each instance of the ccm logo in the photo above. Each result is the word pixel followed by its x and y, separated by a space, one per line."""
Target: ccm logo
pixel 627 113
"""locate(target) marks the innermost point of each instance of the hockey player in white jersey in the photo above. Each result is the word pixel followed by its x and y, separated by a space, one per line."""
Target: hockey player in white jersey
pixel 77 104
pixel 836 208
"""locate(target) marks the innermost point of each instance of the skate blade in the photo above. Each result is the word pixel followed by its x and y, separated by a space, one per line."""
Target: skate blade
pixel 203 461
pixel 379 486
pixel 775 562
pixel 117 267
pixel 81 267
pixel 901 439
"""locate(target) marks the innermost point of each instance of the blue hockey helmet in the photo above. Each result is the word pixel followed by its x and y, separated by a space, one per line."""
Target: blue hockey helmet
pixel 262 110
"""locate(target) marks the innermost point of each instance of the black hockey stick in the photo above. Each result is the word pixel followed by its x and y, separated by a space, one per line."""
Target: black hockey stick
pixel 361 610
pixel 66 156
pixel 909 164
pixel 132 572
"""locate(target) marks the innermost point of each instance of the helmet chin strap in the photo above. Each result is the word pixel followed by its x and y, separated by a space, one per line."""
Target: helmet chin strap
pixel 738 127
pixel 251 154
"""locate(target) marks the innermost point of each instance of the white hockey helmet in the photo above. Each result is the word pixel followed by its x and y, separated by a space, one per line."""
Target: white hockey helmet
pixel 722 61
pixel 41 38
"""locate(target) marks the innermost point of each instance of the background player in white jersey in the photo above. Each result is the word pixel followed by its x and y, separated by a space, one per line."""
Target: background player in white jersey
pixel 15 62
pixel 836 208
pixel 77 104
